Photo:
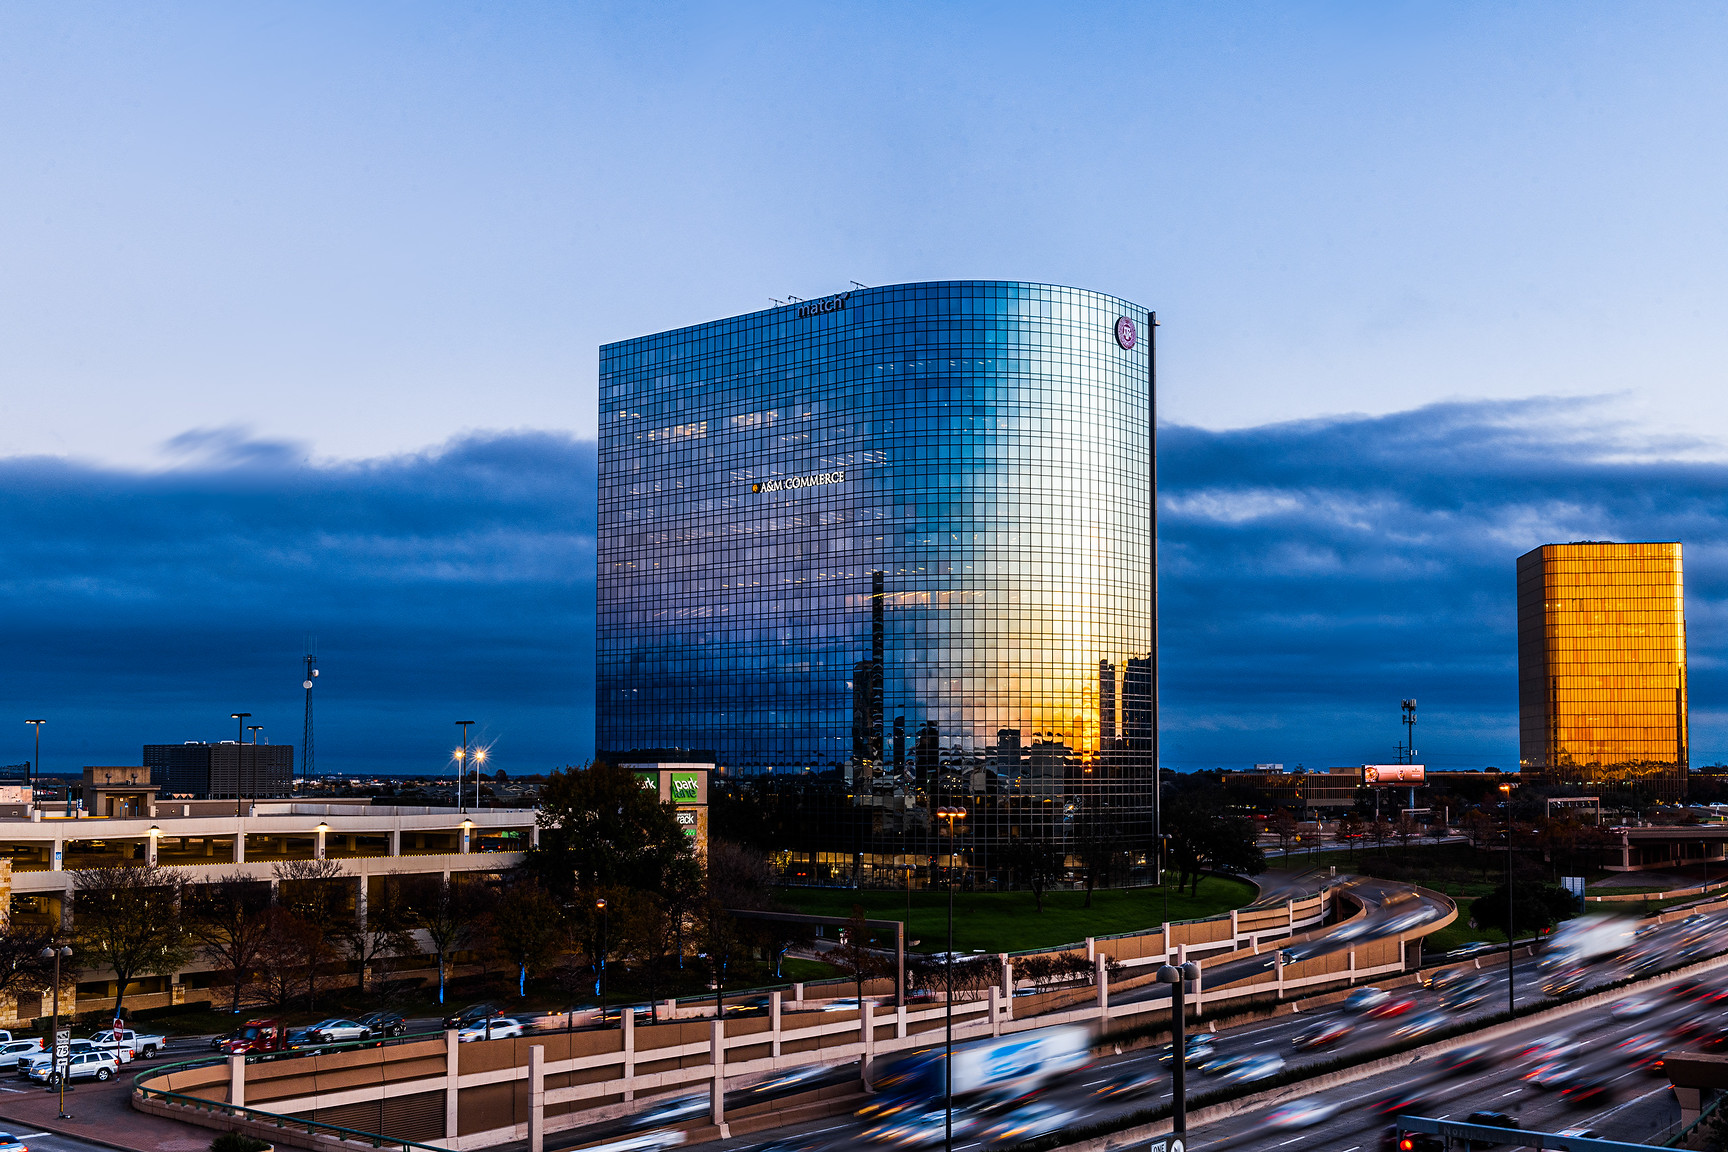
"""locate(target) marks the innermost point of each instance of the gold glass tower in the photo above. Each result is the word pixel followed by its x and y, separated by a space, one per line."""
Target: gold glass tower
pixel 1602 667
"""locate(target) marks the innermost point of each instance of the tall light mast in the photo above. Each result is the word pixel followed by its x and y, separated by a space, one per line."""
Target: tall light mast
pixel 306 752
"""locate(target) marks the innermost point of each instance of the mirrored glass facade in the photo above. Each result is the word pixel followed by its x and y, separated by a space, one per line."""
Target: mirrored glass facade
pixel 1602 667
pixel 887 551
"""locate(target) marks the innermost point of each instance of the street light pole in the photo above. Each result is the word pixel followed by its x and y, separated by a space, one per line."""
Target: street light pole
pixel 1511 934
pixel 239 719
pixel 601 904
pixel 35 772
pixel 462 768
pixel 1177 977
pixel 951 815
pixel 479 763
pixel 254 729
pixel 57 951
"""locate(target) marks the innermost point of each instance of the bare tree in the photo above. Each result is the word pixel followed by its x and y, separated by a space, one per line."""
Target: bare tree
pixel 291 945
pixel 1282 825
pixel 127 919
pixel 444 908
pixel 381 934
pixel 526 921
pixel 226 921
pixel 310 890
pixel 854 956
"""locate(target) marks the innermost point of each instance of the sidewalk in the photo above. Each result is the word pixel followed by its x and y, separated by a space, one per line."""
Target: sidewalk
pixel 101 1113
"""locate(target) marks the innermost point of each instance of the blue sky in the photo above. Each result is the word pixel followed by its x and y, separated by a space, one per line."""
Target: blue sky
pixel 299 309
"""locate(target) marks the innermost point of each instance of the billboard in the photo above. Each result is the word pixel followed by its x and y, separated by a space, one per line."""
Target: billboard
pixel 1402 775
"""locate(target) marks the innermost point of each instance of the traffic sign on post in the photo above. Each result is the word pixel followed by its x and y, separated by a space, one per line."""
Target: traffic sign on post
pixel 62 1048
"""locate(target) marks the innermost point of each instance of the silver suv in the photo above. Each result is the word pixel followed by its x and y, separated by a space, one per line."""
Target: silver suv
pixel 80 1066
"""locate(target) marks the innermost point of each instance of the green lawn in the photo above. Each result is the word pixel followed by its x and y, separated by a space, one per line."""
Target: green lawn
pixel 1010 921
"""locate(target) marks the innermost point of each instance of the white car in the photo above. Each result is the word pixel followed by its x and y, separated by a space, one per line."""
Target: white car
pixel 80 1066
pixel 15 1050
pixel 334 1031
pixel 492 1028
pixel 28 1064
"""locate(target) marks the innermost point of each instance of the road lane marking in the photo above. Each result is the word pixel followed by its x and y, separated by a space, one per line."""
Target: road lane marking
pixel 1293 1140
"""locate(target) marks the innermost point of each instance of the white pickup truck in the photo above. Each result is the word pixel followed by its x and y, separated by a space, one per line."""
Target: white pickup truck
pixel 128 1045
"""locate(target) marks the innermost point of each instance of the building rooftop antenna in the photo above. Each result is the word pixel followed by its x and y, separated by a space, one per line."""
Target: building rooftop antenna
pixel 855 284
pixel 797 299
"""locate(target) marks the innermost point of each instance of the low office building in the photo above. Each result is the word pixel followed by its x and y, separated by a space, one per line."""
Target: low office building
pixel 220 770
pixel 204 841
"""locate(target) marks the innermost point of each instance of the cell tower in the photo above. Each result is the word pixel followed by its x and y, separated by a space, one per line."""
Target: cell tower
pixel 306 757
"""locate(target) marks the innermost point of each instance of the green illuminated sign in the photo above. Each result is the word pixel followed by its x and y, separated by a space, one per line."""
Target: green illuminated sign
pixel 686 787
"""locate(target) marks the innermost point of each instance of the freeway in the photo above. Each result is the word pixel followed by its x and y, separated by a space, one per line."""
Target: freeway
pixel 1608 1092
pixel 1390 908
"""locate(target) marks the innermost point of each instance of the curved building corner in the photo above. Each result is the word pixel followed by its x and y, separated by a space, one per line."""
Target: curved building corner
pixel 887 554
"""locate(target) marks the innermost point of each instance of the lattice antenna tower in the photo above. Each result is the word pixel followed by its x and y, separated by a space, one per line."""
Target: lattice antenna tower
pixel 307 759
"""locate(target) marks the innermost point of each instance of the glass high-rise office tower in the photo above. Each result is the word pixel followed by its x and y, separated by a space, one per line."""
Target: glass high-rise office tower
pixel 1602 667
pixel 889 552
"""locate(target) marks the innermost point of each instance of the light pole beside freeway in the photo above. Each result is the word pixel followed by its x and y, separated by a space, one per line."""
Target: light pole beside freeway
pixel 1177 976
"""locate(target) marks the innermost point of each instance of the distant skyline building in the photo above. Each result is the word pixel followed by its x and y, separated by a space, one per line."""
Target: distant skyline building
pixel 1602 667
pixel 892 549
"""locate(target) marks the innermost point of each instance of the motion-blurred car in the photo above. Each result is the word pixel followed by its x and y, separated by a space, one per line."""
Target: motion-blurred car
pixel 1633 1007
pixel 915 1129
pixel 1255 1068
pixel 1398 1102
pixel 1466 994
pixel 472 1014
pixel 1461 1060
pixel 1473 948
pixel 791 1078
pixel 1391 1009
pixel 1546 1048
pixel 1363 999
pixel 1321 1034
pixel 1423 1024
pixel 1639 1044
pixel 1563 981
pixel 1199 1049
pixel 1132 1083
pixel 1587 1090
pixel 1028 1122
pixel 491 1028
pixel 673 1111
pixel 1552 1074
pixel 1219 1065
pixel 11 1143
pixel 1301 1114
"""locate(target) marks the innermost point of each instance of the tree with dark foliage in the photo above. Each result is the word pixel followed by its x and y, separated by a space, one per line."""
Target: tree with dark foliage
pixel 600 828
pixel 1205 834
pixel 1035 863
